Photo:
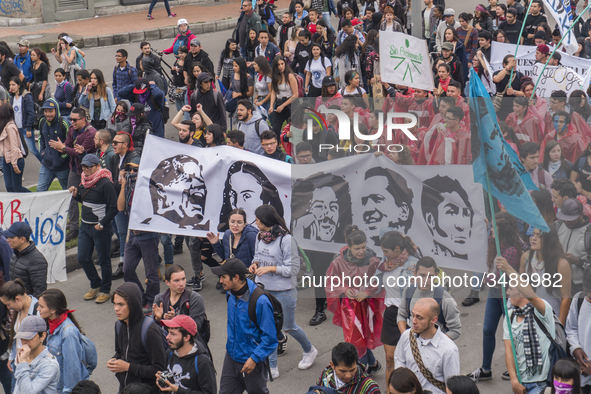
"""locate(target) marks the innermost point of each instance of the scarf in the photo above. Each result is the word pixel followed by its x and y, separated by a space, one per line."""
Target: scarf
pixel 562 388
pixel 531 344
pixel 91 180
pixel 553 167
pixel 444 83
pixel 143 97
pixel 133 122
pixel 270 236
pixel 399 261
pixel 55 323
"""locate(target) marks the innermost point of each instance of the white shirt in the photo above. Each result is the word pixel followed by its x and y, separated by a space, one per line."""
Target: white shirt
pixel 579 335
pixel 440 356
pixel 261 86
pixel 318 72
pixel 18 112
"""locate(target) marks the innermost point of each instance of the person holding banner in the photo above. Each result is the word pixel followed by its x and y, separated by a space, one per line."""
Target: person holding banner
pixel 504 80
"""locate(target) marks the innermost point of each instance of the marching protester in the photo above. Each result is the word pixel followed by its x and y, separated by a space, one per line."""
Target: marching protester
pixel 24 114
pixel 12 150
pixel 284 90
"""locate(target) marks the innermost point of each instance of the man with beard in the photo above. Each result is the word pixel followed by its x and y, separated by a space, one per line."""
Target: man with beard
pixel 252 124
pixel 104 149
pixel 386 202
pixel 186 131
pixel 191 368
pixel 178 192
pixel 449 216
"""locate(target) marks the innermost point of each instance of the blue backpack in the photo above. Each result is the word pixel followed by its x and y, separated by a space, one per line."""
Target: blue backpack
pixel 89 354
pixel 144 333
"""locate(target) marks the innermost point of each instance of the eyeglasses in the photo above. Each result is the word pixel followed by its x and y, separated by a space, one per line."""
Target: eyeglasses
pixel 300 157
pixel 269 144
pixel 133 169
pixel 450 119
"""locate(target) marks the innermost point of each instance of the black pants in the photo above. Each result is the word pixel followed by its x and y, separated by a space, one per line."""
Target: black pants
pixel 233 382
pixel 279 118
pixel 314 91
pixel 320 262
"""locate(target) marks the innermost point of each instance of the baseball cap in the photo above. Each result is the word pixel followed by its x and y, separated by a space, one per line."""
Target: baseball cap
pixel 23 43
pixel 49 104
pixel 447 46
pixel 541 35
pixel 141 85
pixel 449 12
pixel 182 321
pixel 89 160
pixel 136 108
pixel 18 229
pixel 544 49
pixel 328 81
pixel 135 162
pixel 195 42
pixel 31 326
pixel 571 210
pixel 231 267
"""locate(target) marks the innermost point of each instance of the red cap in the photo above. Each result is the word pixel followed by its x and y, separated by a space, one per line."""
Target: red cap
pixel 182 321
pixel 544 49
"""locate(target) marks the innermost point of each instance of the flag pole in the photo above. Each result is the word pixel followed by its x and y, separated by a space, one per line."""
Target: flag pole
pixel 519 40
pixel 556 48
pixel 498 246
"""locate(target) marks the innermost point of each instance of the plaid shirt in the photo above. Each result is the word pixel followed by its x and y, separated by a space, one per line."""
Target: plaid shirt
pixel 122 78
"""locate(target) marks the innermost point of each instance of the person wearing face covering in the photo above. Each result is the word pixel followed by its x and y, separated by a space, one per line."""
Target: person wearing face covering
pixel 567 379
pixel 566 134
pixel 211 101
pixel 152 100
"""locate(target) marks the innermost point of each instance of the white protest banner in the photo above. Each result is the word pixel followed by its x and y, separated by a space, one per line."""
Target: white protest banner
pixel 555 78
pixel 526 58
pixel 46 213
pixel 561 12
pixel 187 190
pixel 404 60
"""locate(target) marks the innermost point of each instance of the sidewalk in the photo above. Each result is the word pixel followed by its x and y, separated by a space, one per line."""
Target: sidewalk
pixel 134 26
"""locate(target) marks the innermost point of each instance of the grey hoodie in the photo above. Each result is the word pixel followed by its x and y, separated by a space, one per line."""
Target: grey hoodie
pixel 278 254
pixel 151 74
pixel 252 140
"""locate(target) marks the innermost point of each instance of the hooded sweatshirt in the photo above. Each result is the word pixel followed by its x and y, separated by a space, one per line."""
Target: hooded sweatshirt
pixel 57 128
pixel 128 344
pixel 191 380
pixel 151 74
pixel 278 253
pixel 212 102
pixel 252 139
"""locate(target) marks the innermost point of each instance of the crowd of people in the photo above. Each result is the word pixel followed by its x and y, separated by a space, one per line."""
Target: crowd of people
pixel 90 137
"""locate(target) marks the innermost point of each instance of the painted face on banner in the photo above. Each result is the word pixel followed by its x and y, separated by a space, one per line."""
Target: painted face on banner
pixel 325 209
pixel 246 193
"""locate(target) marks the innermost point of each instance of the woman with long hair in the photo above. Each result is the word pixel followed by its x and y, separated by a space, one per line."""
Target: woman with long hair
pixel 509 136
pixel 404 157
pixel 99 98
pixel 284 90
pixel 554 161
pixel 543 200
pixel 346 59
pixel 450 35
pixel 24 113
pixel 199 118
pixel 325 38
pixel 468 35
pixel 262 82
pixel 242 84
pixel 579 103
pixel 356 259
pixel 70 57
pixel 64 340
pixel 482 19
pixel 566 377
pixel 546 256
pixel 537 106
pixel 64 93
pixel 252 42
pixel 120 119
pixel 276 265
pixel 512 248
pixel 317 67
pixel 179 94
pixel 214 136
pixel 399 261
pixel 461 385
pixel 404 381
pixel 499 16
pixel 367 49
pixel 238 240
pixel 82 79
pixel 500 36
pixel 525 124
pixel 442 79
pixel 10 148
pixel 226 62
pixel 196 69
pixel 290 45
pixel 329 95
pixel 40 83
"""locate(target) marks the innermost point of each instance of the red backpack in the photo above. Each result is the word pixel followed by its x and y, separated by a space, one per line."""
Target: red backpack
pixel 300 85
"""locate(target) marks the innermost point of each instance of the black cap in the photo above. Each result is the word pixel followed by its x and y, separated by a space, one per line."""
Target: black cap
pixel 136 108
pixel 328 81
pixel 141 85
pixel 231 267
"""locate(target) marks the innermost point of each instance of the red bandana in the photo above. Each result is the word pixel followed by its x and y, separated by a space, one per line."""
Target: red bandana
pixel 55 323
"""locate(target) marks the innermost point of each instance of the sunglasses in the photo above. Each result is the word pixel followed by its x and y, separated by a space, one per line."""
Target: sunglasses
pixel 132 169
pixel 75 119
pixel 117 142
pixel 85 167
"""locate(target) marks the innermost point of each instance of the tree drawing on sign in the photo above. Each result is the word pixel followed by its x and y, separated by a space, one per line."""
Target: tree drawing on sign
pixel 406 57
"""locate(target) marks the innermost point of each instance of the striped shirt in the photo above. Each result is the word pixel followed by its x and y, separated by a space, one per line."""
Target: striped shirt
pixel 362 383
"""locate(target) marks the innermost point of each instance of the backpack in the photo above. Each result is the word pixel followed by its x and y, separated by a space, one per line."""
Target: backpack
pixel 257 124
pixel 165 111
pixel 90 357
pixel 144 333
pixel 321 62
pixel 80 60
pixel 558 346
pixel 199 352
pixel 64 125
pixel 252 307
pixel 437 295
pixel 300 85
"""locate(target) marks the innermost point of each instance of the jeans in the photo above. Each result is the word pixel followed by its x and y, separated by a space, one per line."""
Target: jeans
pixel 153 3
pixel 288 300
pixel 89 238
pixel 5 377
pixel 122 221
pixel 279 118
pixel 368 358
pixel 166 240
pixel 74 179
pixel 179 104
pixel 12 180
pixel 326 18
pixel 478 275
pixel 141 247
pixel 46 177
pixel 31 143
pixel 493 313
pixel 534 388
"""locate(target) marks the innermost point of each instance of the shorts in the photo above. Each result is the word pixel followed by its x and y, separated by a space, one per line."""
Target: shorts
pixel 390 332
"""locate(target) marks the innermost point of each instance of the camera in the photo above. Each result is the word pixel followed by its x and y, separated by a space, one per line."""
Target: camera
pixel 164 377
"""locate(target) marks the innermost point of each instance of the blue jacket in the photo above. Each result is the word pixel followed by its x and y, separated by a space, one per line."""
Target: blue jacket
pixel 24 64
pixel 108 106
pixel 64 94
pixel 246 245
pixel 58 128
pixel 41 376
pixel 245 340
pixel 153 114
pixel 64 344
pixel 28 111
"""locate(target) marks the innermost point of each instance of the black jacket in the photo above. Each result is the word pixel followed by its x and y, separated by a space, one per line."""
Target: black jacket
pixel 202 381
pixel 457 72
pixel 115 168
pixel 138 135
pixel 212 102
pixel 203 58
pixel 99 203
pixel 157 63
pixel 128 344
pixel 31 266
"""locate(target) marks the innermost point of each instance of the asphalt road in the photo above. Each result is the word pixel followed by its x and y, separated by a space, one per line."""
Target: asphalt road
pixel 98 320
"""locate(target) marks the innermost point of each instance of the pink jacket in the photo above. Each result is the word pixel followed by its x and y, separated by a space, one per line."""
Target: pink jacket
pixel 10 143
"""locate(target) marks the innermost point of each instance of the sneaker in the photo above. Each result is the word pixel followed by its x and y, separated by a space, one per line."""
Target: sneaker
pixel 71 235
pixel 374 369
pixel 178 250
pixel 506 375
pixel 118 274
pixel 171 15
pixel 197 285
pixel 219 286
pixel 318 317
pixel 191 281
pixel 202 277
pixel 275 372
pixel 92 293
pixel 150 17
pixel 480 375
pixel 471 299
pixel 147 310
pixel 102 297
pixel 282 346
pixel 308 359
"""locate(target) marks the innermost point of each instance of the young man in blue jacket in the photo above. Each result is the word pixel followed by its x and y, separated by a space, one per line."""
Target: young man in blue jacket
pixel 249 344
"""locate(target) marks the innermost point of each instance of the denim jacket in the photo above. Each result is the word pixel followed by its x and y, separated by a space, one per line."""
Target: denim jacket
pixel 30 312
pixel 39 377
pixel 108 106
pixel 64 344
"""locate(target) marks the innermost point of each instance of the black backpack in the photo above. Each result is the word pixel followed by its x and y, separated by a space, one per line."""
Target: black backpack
pixel 252 305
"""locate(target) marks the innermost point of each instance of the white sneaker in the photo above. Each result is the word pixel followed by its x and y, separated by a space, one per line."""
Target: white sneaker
pixel 308 359
pixel 275 372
